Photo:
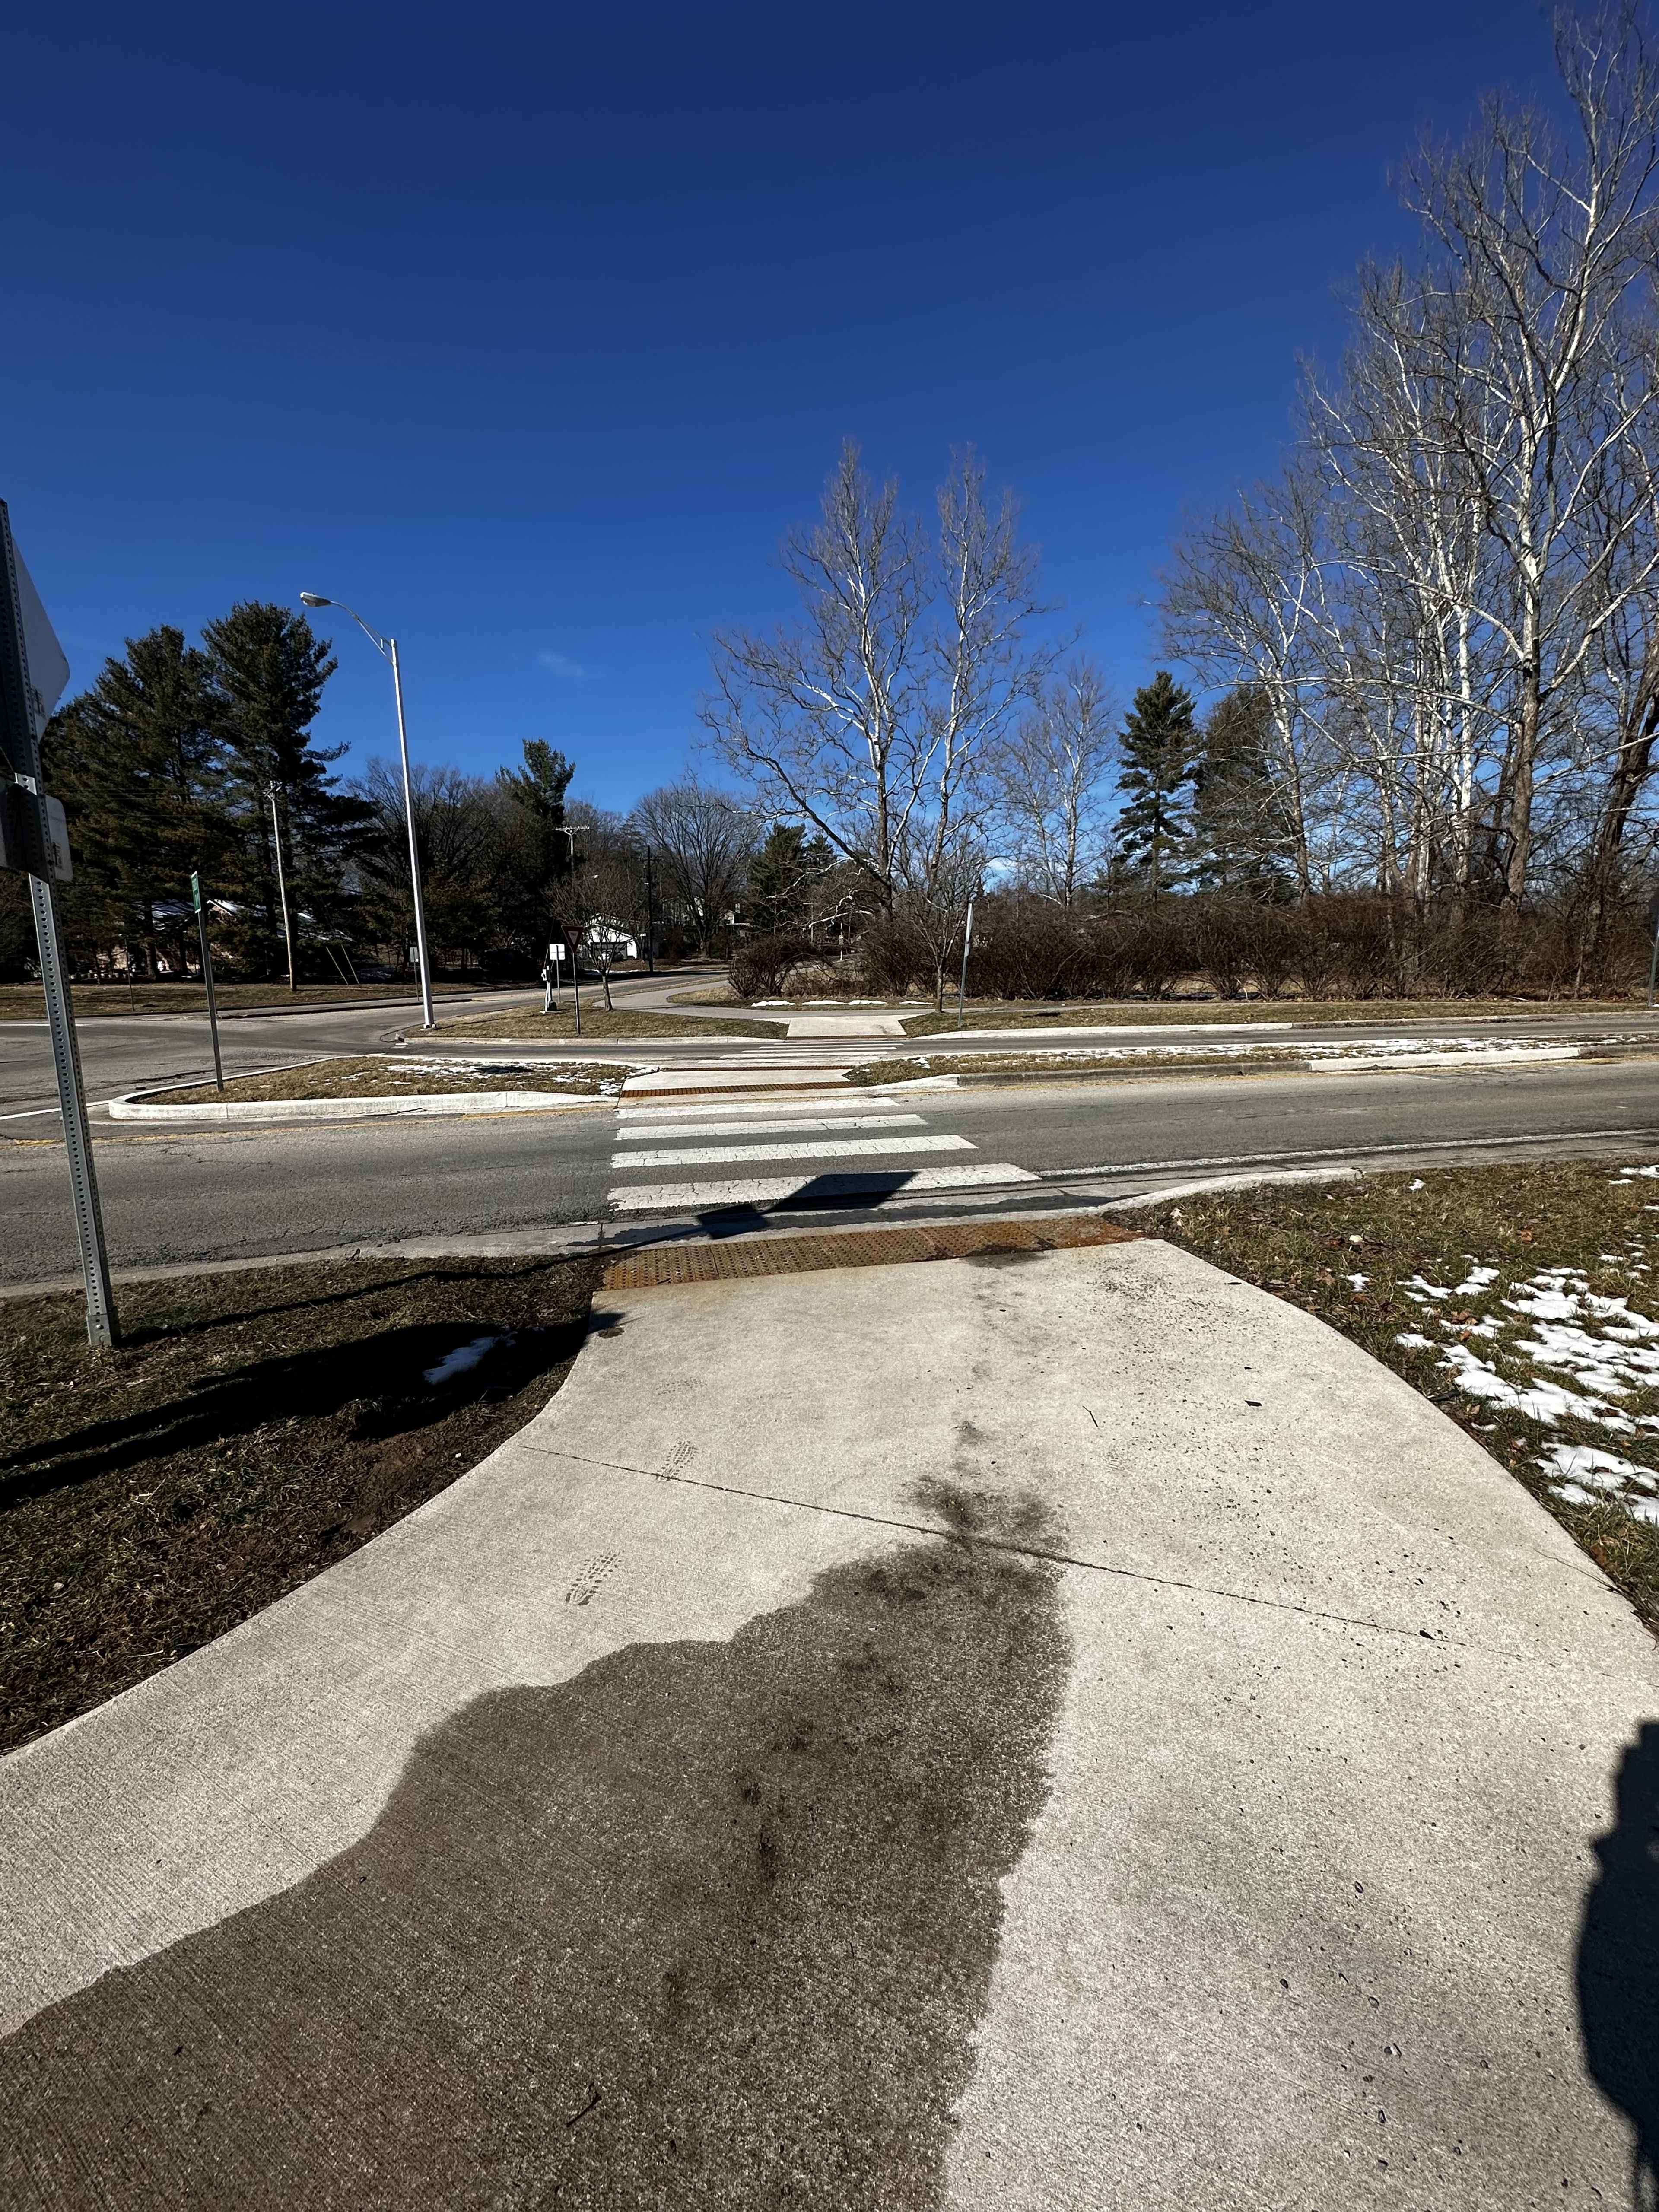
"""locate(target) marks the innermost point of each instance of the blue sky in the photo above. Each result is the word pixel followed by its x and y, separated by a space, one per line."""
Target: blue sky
pixel 530 330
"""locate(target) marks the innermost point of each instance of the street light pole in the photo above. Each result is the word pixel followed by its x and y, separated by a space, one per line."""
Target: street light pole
pixel 282 890
pixel 388 648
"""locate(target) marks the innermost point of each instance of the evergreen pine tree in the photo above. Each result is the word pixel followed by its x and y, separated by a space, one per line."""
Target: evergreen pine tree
pixel 537 856
pixel 1160 744
pixel 267 672
pixel 139 765
pixel 775 900
pixel 541 784
pixel 1241 840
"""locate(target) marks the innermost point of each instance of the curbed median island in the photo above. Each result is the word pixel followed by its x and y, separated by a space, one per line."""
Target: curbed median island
pixel 529 1023
pixel 376 1083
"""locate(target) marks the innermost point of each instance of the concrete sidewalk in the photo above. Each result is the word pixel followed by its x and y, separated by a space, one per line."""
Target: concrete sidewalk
pixel 1039 1730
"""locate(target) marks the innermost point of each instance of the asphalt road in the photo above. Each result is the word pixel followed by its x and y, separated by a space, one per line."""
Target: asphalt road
pixel 120 1052
pixel 234 1193
pixel 125 1053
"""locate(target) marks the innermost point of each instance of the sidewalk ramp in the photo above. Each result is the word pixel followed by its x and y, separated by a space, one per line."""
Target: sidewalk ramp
pixel 1042 1727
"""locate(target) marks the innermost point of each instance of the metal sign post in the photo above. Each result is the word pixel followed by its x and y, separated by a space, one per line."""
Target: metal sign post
pixel 200 905
pixel 33 674
pixel 967 947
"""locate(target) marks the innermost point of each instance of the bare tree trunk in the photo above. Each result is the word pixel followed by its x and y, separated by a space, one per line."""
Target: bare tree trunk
pixel 1631 770
pixel 1522 765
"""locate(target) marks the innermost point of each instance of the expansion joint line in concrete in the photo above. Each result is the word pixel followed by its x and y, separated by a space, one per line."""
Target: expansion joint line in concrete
pixel 1026 1551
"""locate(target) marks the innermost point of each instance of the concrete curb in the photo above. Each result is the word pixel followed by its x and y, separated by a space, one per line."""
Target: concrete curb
pixel 418 1104
pixel 519 1044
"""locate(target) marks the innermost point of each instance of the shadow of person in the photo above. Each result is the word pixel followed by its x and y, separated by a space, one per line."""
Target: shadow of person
pixel 1619 1961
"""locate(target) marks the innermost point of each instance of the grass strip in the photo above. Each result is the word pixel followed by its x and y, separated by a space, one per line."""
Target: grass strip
pixel 1397 1230
pixel 1101 1013
pixel 20 1002
pixel 1053 1065
pixel 531 1022
pixel 378 1076
pixel 254 1428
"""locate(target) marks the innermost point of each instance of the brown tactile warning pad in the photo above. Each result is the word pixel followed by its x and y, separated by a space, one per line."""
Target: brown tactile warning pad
pixel 654 1266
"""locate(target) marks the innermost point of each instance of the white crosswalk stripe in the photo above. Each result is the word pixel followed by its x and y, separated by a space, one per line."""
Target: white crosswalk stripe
pixel 772 1129
pixel 821 1148
pixel 738 1108
pixel 775 1190
pixel 807 1130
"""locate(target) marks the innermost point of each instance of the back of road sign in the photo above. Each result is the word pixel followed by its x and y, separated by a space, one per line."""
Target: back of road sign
pixel 28 692
pixel 48 672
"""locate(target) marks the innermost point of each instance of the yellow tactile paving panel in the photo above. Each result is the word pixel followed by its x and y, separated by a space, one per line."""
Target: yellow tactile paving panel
pixel 657 1266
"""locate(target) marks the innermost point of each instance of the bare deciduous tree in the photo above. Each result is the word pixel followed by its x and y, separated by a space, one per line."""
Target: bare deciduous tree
pixel 1449 598
pixel 1049 779
pixel 704 841
pixel 871 717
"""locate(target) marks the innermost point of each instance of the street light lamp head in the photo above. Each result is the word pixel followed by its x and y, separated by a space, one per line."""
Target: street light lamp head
pixel 314 599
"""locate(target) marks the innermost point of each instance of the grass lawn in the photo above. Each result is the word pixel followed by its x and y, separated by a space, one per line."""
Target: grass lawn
pixel 1521 1299
pixel 1022 1014
pixel 378 1076
pixel 255 1427
pixel 22 1002
pixel 531 1022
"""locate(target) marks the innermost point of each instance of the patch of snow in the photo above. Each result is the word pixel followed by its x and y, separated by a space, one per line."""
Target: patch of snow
pixel 1478 1278
pixel 1359 1281
pixel 1541 1401
pixel 1420 1291
pixel 1598 1470
pixel 464 1357
pixel 1411 1342
pixel 1419 1184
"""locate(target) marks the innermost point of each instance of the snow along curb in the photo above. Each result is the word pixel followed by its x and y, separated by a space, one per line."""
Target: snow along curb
pixel 134 1107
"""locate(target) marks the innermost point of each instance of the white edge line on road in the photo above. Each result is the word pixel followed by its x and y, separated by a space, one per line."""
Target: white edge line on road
pixel 1344 1152
pixel 709 1156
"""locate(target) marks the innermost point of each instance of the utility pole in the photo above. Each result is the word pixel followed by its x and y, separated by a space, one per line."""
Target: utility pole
pixel 650 919
pixel 33 674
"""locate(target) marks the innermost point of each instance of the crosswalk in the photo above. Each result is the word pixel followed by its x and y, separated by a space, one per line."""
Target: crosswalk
pixel 892 1145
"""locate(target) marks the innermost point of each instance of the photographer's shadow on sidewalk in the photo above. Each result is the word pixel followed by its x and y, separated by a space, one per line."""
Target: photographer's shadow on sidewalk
pixel 1619 1961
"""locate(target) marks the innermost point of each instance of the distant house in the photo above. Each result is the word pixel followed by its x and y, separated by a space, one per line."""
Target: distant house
pixel 608 941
